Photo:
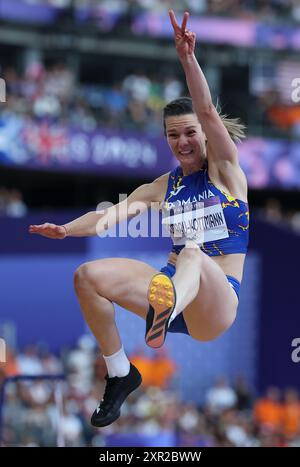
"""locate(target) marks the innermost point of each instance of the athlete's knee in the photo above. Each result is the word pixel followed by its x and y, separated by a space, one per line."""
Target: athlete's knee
pixel 83 277
pixel 193 253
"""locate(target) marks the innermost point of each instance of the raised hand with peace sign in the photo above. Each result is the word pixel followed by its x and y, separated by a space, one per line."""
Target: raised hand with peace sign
pixel 185 40
pixel 220 131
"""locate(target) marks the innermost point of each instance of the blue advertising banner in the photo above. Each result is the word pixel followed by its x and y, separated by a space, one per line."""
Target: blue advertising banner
pixel 43 146
pixel 270 163
pixel 28 144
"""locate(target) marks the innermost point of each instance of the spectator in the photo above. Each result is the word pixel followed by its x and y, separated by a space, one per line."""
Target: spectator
pixel 144 364
pixel 268 410
pixel 243 394
pixel 15 204
pixel 221 396
pixel 291 413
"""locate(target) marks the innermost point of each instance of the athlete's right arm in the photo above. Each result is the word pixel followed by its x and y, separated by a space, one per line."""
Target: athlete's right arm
pixel 95 222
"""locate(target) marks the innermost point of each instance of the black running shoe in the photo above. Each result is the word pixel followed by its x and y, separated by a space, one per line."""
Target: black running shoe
pixel 162 300
pixel 116 391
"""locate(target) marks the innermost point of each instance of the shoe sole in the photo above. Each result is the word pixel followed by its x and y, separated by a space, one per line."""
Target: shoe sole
pixel 162 299
pixel 107 422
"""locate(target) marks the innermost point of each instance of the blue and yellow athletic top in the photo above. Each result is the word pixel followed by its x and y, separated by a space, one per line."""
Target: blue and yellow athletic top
pixel 221 219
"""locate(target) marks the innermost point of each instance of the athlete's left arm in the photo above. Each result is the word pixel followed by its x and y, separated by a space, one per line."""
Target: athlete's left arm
pixel 222 148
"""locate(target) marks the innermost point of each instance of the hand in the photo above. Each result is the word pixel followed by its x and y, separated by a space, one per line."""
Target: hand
pixel 49 230
pixel 184 40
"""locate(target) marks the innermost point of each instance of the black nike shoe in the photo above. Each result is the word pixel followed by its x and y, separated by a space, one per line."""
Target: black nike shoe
pixel 162 300
pixel 116 391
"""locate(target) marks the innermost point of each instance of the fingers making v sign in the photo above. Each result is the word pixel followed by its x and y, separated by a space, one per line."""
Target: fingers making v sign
pixel 184 39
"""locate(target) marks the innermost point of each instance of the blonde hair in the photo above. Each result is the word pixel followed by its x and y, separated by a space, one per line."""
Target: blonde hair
pixel 234 126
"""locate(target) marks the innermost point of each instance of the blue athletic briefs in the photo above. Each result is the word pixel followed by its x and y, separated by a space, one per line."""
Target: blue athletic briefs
pixel 179 324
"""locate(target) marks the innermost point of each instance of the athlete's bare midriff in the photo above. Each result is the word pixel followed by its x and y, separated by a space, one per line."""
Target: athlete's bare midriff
pixel 231 265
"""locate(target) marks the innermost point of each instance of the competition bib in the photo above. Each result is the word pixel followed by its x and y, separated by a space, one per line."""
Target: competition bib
pixel 200 221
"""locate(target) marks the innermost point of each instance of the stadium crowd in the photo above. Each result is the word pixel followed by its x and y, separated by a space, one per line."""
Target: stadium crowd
pixel 135 101
pixel 48 414
pixel 51 94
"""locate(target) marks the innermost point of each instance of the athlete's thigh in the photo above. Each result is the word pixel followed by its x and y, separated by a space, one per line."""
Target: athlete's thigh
pixel 214 308
pixel 123 281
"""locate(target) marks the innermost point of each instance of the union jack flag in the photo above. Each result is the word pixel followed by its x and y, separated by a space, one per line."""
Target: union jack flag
pixel 47 143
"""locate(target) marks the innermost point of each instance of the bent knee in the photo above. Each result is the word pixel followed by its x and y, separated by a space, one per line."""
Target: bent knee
pixel 84 277
pixel 214 330
pixel 192 252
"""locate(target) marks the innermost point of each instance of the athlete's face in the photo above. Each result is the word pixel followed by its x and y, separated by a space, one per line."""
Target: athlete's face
pixel 186 139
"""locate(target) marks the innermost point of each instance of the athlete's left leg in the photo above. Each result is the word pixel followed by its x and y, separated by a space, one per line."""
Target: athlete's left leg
pixel 199 289
pixel 204 293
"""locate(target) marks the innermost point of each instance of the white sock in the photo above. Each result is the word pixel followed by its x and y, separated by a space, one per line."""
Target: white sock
pixel 117 364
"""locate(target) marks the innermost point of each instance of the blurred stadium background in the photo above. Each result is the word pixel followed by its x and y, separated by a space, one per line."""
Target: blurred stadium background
pixel 86 82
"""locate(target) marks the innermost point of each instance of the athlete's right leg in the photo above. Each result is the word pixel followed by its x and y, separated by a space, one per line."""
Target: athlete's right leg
pixel 98 284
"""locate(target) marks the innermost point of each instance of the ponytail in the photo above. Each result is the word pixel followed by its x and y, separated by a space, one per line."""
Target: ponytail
pixel 234 126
